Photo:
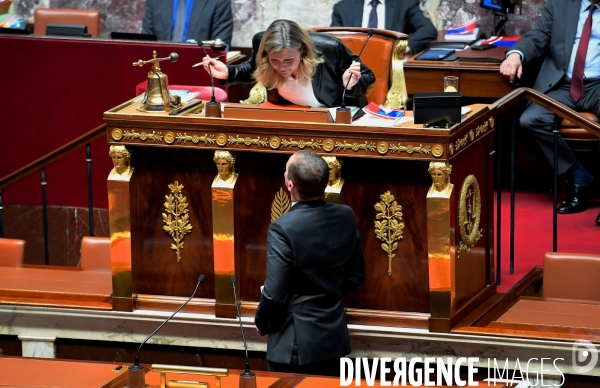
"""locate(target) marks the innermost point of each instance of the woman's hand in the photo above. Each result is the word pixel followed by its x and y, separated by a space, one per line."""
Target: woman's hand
pixel 352 74
pixel 219 69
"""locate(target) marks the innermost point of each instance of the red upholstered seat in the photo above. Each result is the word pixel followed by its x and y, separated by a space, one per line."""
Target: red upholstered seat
pixel 205 91
pixel 95 253
pixel 11 252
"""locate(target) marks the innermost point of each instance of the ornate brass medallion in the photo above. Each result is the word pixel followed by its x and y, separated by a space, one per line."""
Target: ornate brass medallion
pixel 177 217
pixel 117 134
pixel 382 147
pixel 221 140
pixel 437 150
pixel 169 137
pixel 281 204
pixel 274 142
pixel 391 228
pixel 469 214
pixel 328 145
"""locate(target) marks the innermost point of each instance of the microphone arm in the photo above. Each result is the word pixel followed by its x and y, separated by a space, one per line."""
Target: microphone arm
pixel 369 35
pixel 136 363
pixel 247 373
pixel 212 81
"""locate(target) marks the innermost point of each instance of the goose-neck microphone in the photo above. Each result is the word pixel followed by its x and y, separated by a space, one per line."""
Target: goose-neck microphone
pixel 247 378
pixel 369 35
pixel 213 108
pixel 135 370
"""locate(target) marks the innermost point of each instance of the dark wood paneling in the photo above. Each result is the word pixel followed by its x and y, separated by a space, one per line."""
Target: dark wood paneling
pixel 156 270
pixel 10 345
pixel 472 268
pixel 261 177
pixel 365 181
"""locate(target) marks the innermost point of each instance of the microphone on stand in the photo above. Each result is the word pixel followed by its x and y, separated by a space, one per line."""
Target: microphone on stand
pixel 342 114
pixel 247 378
pixel 213 108
pixel 135 373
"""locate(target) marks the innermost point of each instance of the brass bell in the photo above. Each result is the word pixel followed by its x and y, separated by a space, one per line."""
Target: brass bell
pixel 158 97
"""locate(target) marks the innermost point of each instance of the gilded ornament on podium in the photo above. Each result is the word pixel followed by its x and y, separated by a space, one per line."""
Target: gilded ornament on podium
pixel 390 228
pixel 176 217
pixel 469 214
pixel 117 134
pixel 281 204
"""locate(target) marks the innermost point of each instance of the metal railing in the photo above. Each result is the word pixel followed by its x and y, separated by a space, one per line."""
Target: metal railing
pixel 40 165
pixel 505 105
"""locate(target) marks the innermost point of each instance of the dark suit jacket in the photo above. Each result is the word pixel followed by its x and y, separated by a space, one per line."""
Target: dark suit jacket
pixel 400 16
pixel 210 19
pixel 326 82
pixel 552 36
pixel 314 259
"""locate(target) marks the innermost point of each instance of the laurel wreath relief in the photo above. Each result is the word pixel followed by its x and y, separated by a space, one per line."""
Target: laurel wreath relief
pixel 391 228
pixel 177 217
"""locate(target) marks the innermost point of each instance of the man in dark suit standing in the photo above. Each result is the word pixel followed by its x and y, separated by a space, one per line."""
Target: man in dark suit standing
pixel 396 15
pixel 180 20
pixel 570 74
pixel 314 259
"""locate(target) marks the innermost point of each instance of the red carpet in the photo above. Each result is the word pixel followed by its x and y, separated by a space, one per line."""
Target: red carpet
pixel 533 233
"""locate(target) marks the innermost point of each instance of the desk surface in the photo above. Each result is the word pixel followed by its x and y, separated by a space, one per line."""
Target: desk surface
pixel 59 286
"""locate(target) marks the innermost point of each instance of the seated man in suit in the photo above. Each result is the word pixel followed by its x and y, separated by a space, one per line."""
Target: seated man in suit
pixel 396 15
pixel 314 259
pixel 181 20
pixel 570 74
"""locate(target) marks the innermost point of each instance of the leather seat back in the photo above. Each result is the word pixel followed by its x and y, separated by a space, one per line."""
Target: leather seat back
pixel 571 276
pixel 45 16
pixel 95 253
pixel 11 252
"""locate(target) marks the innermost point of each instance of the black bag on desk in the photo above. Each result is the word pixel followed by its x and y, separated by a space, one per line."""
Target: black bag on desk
pixel 435 55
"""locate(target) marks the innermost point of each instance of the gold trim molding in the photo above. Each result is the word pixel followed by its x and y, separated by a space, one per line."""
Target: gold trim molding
pixel 184 138
pixel 391 228
pixel 366 146
pixel 469 214
pixel 248 141
pixel 410 149
pixel 177 217
pixel 156 136
pixel 315 145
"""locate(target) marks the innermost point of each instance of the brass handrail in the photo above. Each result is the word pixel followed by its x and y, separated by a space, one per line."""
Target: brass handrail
pixel 552 105
pixel 51 157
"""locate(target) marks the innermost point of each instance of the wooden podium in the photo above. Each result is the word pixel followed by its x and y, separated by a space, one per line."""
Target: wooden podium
pixel 428 265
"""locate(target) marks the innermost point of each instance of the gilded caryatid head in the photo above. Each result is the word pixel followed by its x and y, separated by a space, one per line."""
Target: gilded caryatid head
pixel 225 163
pixel 120 156
pixel 440 175
pixel 335 169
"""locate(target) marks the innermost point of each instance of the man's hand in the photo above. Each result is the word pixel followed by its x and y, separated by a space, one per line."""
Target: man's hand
pixel 511 66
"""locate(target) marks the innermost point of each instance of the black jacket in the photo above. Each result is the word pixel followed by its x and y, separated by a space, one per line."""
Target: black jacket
pixel 314 259
pixel 400 15
pixel 326 82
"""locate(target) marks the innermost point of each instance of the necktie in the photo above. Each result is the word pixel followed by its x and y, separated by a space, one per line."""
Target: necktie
pixel 179 21
pixel 373 15
pixel 577 80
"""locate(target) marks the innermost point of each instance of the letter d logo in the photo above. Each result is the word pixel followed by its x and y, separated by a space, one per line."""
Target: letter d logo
pixel 585 356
